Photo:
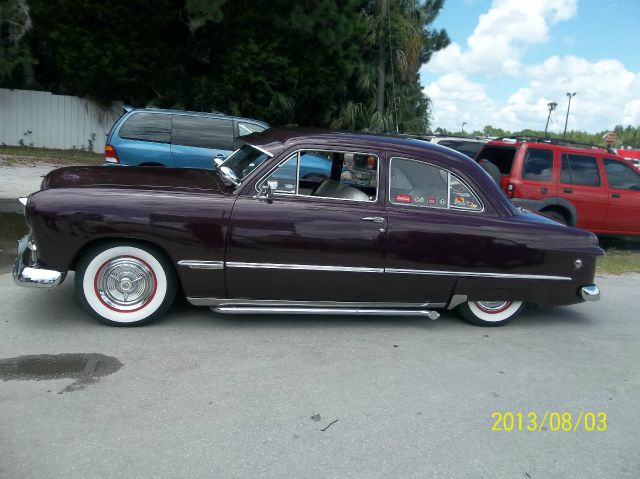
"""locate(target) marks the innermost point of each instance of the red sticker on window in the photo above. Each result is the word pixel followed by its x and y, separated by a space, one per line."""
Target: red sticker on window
pixel 403 198
pixel 432 200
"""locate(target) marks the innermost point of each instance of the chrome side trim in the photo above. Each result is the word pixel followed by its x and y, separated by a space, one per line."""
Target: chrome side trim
pixel 324 311
pixel 197 264
pixel 309 267
pixel 590 293
pixel 199 301
pixel 354 269
pixel 476 274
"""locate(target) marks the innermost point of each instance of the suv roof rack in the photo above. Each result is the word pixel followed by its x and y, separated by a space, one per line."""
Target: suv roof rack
pixel 552 141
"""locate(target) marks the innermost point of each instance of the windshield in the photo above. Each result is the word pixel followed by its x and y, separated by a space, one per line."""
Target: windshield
pixel 241 163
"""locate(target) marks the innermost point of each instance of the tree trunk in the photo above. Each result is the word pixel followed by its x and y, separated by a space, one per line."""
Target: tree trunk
pixel 382 64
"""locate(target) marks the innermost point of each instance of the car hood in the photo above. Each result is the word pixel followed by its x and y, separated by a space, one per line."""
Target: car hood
pixel 134 177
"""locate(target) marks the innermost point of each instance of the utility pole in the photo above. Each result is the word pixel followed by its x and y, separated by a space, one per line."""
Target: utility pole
pixel 570 95
pixel 552 106
pixel 463 123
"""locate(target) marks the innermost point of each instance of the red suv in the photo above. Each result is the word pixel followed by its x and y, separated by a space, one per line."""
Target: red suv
pixel 579 186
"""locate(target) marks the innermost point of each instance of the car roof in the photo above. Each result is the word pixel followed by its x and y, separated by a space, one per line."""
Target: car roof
pixel 193 113
pixel 577 148
pixel 280 138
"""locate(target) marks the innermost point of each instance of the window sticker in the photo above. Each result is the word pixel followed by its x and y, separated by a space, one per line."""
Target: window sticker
pixel 403 198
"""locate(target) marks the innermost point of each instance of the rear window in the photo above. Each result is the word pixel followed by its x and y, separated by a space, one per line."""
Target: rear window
pixel 248 128
pixel 538 164
pixel 579 170
pixel 501 156
pixel 202 132
pixel 147 127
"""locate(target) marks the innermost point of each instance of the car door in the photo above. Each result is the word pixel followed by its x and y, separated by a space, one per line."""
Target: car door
pixel 623 211
pixel 438 230
pixel 197 140
pixel 582 185
pixel 315 240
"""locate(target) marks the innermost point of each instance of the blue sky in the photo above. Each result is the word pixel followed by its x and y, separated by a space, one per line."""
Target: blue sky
pixel 509 58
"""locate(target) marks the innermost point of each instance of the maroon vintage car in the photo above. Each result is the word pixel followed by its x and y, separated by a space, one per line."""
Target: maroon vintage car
pixel 307 222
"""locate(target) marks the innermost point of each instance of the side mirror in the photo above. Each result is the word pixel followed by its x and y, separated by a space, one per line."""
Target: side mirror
pixel 265 192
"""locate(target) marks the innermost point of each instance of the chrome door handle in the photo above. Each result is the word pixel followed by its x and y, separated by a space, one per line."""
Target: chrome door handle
pixel 375 219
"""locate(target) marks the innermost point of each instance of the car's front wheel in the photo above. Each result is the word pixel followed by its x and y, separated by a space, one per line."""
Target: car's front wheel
pixel 490 313
pixel 125 284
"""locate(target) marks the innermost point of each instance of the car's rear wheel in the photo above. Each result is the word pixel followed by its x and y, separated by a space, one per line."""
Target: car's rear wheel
pixel 554 215
pixel 490 313
pixel 125 284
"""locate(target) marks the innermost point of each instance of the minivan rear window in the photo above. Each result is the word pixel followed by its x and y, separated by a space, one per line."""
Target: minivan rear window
pixel 203 132
pixel 147 127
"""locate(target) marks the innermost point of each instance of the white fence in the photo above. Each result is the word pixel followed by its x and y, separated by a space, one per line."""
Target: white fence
pixel 37 118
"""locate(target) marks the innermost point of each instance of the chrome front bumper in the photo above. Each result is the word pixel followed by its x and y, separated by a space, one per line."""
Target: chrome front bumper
pixel 26 271
pixel 590 293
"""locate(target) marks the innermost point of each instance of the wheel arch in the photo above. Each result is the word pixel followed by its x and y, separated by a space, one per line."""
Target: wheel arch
pixel 120 240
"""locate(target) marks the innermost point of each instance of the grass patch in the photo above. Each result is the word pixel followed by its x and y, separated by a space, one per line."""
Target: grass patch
pixel 618 261
pixel 47 154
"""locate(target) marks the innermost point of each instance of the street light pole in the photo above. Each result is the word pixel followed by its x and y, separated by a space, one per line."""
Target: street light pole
pixel 463 123
pixel 568 107
pixel 552 106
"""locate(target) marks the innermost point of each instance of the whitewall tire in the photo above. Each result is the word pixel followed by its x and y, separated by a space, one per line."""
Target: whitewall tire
pixel 125 284
pixel 490 313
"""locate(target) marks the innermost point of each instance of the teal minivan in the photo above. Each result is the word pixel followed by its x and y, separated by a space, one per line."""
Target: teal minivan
pixel 175 138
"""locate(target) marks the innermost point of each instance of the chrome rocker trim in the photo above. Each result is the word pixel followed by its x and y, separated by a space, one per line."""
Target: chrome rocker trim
pixel 33 276
pixel 268 306
pixel 590 293
pixel 325 311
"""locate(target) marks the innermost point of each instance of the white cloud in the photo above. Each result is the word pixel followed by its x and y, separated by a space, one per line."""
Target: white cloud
pixel 496 45
pixel 607 92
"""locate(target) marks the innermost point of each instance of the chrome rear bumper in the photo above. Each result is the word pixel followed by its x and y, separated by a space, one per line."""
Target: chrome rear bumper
pixel 590 293
pixel 26 271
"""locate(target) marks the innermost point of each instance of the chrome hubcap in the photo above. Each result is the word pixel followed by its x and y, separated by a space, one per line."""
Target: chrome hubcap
pixel 125 283
pixel 493 306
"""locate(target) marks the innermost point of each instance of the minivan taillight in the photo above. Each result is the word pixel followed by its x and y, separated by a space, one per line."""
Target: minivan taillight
pixel 110 155
pixel 511 190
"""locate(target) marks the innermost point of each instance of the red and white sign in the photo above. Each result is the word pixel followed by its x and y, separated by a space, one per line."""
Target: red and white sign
pixel 610 138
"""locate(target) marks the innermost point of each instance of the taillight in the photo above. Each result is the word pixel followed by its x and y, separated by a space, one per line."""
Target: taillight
pixel 372 162
pixel 511 190
pixel 110 155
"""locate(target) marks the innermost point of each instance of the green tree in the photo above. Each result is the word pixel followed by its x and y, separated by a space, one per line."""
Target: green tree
pixel 385 91
pixel 110 49
pixel 15 58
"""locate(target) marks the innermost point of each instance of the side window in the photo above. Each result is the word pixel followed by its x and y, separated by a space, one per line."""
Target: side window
pixel 327 174
pixel 248 128
pixel 579 170
pixel 285 178
pixel 420 184
pixel 147 127
pixel 621 176
pixel 537 165
pixel 203 132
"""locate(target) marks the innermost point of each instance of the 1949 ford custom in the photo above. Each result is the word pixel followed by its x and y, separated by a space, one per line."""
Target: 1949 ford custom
pixel 394 227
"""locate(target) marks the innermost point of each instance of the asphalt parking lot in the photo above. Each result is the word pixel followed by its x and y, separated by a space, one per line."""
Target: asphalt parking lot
pixel 204 395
